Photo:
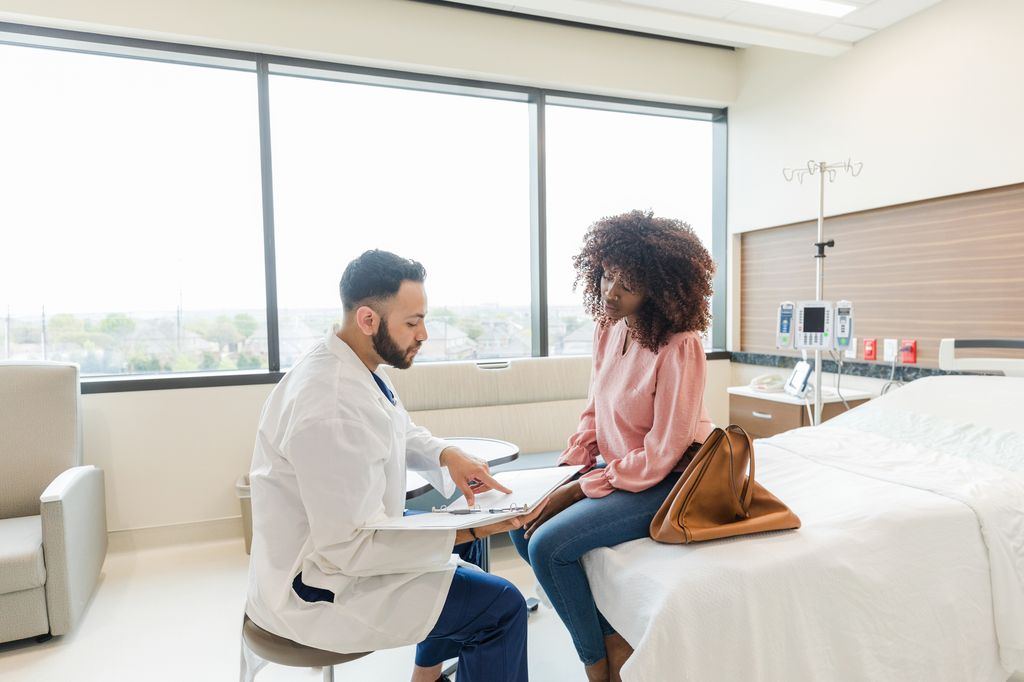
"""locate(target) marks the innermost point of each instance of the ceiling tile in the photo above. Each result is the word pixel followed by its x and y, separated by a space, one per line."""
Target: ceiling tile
pixel 780 19
pixel 703 8
pixel 850 34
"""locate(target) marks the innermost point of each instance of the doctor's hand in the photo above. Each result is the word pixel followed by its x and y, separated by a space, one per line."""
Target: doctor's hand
pixel 564 497
pixel 471 475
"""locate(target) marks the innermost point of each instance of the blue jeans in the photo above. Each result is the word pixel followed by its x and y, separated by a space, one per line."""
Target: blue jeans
pixel 483 623
pixel 554 551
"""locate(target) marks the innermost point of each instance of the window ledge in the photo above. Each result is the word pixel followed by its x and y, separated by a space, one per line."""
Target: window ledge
pixel 167 382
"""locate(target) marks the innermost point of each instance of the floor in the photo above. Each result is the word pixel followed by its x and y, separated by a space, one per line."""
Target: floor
pixel 173 614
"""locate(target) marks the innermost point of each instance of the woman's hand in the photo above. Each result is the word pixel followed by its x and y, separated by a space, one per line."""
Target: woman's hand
pixel 515 523
pixel 564 497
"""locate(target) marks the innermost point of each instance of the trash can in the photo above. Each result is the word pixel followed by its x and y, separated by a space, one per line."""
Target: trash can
pixel 245 498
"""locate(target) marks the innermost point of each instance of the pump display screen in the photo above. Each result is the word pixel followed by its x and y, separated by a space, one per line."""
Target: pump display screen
pixel 814 320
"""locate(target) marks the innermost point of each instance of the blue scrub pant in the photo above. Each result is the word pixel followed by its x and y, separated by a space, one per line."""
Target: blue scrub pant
pixel 483 624
pixel 554 551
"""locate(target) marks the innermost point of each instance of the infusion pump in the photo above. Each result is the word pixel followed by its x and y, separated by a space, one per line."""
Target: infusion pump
pixel 815 321
pixel 814 325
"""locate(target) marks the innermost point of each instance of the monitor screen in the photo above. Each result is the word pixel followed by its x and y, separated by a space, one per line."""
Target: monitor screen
pixel 814 320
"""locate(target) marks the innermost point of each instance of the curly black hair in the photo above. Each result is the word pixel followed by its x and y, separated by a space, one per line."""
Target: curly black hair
pixel 662 257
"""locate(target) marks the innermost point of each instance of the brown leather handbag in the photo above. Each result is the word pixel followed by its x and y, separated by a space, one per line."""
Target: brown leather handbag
pixel 716 498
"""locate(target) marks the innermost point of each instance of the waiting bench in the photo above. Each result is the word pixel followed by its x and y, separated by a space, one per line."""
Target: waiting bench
pixel 533 402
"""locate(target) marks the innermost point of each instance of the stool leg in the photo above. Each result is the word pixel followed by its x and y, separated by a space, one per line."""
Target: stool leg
pixel 250 664
pixel 328 673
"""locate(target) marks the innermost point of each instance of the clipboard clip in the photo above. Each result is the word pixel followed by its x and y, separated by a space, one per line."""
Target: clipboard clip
pixel 475 509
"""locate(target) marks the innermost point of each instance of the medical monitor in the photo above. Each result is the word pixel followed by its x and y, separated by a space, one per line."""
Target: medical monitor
pixel 814 320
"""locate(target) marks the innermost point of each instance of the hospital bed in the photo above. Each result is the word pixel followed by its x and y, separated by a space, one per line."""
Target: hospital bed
pixel 909 564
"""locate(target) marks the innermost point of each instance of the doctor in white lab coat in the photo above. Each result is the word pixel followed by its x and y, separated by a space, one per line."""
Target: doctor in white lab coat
pixel 331 454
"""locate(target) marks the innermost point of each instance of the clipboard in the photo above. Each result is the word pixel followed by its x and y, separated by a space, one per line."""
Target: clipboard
pixel 529 487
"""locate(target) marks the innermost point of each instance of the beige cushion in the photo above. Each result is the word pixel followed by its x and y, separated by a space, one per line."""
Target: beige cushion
pixel 21 554
pixel 39 431
pixel 448 385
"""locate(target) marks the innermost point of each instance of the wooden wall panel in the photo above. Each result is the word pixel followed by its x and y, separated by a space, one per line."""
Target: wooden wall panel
pixel 952 266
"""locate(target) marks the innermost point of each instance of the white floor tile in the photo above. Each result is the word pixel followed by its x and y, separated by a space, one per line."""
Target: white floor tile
pixel 174 614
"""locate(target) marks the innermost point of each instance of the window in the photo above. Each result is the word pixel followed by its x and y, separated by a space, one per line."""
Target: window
pixel 134 197
pixel 436 177
pixel 602 163
pixel 132 232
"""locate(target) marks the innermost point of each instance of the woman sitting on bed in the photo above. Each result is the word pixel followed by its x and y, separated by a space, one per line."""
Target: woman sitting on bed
pixel 646 281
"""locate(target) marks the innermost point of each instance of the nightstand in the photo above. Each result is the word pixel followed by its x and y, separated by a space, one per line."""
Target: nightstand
pixel 763 414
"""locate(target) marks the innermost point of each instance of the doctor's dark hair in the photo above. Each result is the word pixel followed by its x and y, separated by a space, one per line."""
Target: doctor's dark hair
pixel 662 257
pixel 377 275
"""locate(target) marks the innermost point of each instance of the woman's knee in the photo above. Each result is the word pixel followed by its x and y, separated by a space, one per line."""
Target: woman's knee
pixel 544 546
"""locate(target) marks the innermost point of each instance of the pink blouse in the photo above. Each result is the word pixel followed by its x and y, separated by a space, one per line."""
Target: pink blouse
pixel 645 410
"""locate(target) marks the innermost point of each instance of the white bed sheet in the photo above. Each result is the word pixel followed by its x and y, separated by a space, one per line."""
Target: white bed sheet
pixel 892 577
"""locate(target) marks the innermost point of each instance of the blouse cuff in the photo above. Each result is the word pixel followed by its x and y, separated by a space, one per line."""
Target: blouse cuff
pixel 596 484
pixel 577 454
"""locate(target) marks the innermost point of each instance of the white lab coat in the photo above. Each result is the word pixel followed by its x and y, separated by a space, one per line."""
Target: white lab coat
pixel 330 456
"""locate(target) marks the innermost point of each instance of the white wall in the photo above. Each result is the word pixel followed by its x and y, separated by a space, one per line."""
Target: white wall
pixel 416 37
pixel 931 105
pixel 172 457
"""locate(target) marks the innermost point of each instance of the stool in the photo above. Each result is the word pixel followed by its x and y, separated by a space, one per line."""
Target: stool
pixel 260 647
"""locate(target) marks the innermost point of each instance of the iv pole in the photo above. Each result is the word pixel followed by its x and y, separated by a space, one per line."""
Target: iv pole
pixel 822 168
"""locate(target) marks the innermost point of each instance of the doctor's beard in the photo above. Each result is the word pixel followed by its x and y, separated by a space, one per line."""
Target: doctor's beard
pixel 384 345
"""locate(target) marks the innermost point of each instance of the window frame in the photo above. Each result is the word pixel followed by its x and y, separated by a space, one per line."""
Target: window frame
pixel 265 64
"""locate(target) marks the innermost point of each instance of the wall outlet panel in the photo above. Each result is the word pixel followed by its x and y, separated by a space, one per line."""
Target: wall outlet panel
pixel 851 352
pixel 870 349
pixel 908 351
pixel 889 349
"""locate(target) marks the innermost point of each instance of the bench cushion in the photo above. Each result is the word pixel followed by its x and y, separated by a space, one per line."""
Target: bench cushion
pixel 451 385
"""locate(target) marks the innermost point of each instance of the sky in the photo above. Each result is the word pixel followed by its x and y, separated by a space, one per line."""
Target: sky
pixel 132 186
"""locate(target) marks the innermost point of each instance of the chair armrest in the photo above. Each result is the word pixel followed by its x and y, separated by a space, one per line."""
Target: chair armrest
pixel 74 517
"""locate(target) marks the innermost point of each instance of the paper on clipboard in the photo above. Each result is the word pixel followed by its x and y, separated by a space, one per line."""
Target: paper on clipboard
pixel 529 487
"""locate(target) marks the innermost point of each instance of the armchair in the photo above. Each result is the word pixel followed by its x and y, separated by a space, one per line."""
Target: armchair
pixel 53 530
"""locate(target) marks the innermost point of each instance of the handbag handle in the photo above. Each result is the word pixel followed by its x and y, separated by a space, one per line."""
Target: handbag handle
pixel 747 496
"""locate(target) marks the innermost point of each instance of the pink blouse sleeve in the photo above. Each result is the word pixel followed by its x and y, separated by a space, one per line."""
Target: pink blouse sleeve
pixel 678 403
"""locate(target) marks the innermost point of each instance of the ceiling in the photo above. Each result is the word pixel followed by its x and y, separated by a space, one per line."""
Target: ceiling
pixel 737 23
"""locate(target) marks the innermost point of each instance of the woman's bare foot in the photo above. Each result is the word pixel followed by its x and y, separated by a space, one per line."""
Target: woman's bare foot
pixel 598 672
pixel 619 652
